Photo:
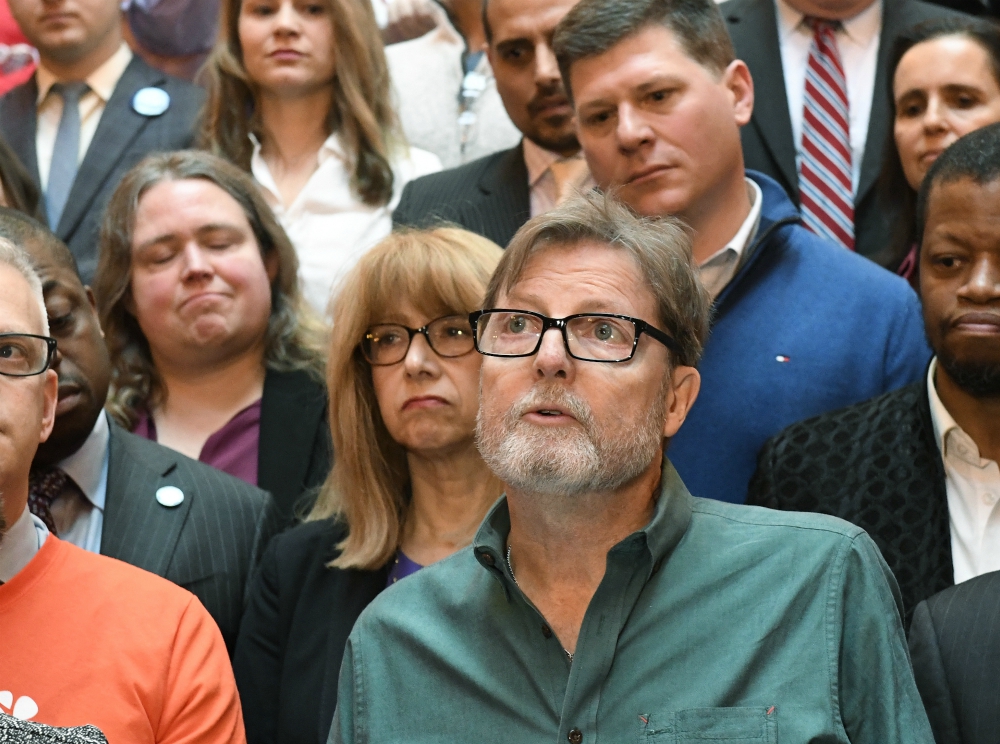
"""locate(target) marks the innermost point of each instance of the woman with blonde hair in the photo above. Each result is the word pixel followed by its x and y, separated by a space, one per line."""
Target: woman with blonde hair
pixel 408 486
pixel 214 352
pixel 298 95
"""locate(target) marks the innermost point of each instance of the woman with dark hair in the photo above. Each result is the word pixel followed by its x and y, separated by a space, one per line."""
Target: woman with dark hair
pixel 298 95
pixel 945 83
pixel 17 190
pixel 214 352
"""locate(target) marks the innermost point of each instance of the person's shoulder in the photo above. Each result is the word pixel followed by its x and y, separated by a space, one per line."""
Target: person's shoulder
pixel 184 95
pixel 732 10
pixel 297 383
pixel 917 11
pixel 308 542
pixel 983 590
pixel 820 532
pixel 460 175
pixel 415 163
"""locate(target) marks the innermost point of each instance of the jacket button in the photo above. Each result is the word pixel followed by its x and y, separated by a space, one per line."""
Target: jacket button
pixel 488 559
pixel 575 736
pixel 546 631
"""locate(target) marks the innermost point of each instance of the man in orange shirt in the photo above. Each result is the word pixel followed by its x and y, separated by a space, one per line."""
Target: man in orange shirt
pixel 86 639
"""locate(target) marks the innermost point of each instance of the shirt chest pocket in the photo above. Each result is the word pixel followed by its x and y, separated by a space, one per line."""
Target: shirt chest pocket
pixel 704 725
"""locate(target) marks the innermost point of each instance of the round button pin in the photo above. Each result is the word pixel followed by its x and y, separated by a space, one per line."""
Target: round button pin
pixel 170 496
pixel 151 101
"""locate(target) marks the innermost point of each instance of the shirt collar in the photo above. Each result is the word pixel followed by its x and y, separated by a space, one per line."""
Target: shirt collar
pixel 861 28
pixel 947 432
pixel 88 466
pixel 331 147
pixel 538 159
pixel 102 81
pixel 747 230
pixel 20 543
pixel 671 518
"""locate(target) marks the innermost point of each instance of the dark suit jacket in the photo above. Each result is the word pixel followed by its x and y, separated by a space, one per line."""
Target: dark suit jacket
pixel 955 648
pixel 295 452
pixel 768 143
pixel 208 544
pixel 875 464
pixel 489 196
pixel 292 639
pixel 122 139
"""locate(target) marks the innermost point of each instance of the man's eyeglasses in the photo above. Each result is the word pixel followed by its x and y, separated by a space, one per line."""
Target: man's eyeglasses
pixel 25 354
pixel 590 337
pixel 450 336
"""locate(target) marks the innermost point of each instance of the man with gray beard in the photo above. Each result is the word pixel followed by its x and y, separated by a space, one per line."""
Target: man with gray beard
pixel 600 601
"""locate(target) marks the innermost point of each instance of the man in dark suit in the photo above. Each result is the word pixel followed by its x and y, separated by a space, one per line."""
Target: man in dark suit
pixel 917 468
pixel 90 112
pixel 495 195
pixel 773 38
pixel 127 497
pixel 955 654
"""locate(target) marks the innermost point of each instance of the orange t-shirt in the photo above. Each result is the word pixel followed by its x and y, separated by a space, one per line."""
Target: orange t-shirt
pixel 89 639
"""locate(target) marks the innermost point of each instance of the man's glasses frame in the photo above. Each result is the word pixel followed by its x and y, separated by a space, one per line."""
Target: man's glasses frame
pixel 50 351
pixel 423 330
pixel 548 323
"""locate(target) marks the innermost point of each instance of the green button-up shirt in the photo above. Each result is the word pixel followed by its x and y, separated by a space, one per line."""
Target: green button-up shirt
pixel 716 622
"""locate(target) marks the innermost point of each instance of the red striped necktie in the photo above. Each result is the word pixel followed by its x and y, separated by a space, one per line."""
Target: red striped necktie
pixel 825 165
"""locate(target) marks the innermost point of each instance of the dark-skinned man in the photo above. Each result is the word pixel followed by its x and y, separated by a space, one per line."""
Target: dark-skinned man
pixel 124 496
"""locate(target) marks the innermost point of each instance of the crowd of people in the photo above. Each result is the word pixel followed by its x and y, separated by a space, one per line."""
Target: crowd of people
pixel 424 370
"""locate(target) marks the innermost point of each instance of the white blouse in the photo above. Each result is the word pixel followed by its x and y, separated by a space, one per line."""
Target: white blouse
pixel 328 225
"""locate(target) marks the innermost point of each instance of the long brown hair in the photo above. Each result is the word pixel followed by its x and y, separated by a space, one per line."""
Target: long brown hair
pixel 294 337
pixel 440 272
pixel 362 111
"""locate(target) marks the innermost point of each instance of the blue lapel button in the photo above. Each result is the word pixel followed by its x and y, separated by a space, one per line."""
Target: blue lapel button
pixel 150 101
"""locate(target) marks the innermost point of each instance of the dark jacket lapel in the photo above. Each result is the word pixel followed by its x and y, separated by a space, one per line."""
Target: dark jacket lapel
pixel 940 569
pixel 137 529
pixel 18 115
pixel 118 128
pixel 505 184
pixel 754 29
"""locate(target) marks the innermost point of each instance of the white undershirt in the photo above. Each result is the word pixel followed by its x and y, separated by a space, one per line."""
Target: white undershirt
pixel 973 487
pixel 857 42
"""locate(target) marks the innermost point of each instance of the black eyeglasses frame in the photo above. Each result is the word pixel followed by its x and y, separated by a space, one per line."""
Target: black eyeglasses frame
pixel 50 351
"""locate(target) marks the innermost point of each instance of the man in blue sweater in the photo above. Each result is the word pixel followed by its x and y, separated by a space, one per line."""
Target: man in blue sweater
pixel 800 325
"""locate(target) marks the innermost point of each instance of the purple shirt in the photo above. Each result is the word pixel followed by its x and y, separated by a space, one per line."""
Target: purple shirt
pixel 401 568
pixel 232 449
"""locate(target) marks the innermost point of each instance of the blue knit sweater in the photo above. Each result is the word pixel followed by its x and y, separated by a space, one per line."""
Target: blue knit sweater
pixel 804 327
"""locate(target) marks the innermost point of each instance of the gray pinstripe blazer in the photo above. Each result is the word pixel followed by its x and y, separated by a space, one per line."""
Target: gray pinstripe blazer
pixel 208 544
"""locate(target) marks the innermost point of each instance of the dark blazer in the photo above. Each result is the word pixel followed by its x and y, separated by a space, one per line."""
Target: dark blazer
pixel 295 451
pixel 489 196
pixel 292 639
pixel 122 139
pixel 208 544
pixel 955 649
pixel 875 464
pixel 768 143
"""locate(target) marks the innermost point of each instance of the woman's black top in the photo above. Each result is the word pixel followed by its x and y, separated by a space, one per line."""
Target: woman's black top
pixel 292 637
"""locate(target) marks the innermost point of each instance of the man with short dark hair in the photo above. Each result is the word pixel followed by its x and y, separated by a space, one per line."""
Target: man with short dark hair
pixel 917 468
pixel 90 112
pixel 495 195
pixel 107 491
pixel 599 601
pixel 800 326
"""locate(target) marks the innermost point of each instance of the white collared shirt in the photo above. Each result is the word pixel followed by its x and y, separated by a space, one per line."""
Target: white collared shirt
pixel 718 269
pixel 329 226
pixel 19 544
pixel 102 82
pixel 88 467
pixel 542 183
pixel 973 487
pixel 858 42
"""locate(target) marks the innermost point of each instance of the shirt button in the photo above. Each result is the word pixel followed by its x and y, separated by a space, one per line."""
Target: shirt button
pixel 488 559
pixel 575 736
pixel 546 631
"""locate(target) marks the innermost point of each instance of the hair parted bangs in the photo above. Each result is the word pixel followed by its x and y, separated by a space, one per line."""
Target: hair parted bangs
pixel 362 112
pixel 442 271
pixel 660 247
pixel 295 336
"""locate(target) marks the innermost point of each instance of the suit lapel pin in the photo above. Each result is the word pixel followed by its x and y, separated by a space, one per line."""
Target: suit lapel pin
pixel 169 496
pixel 150 101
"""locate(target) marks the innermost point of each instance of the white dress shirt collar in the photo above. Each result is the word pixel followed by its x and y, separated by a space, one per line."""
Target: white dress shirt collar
pixel 88 466
pixel 101 81
pixel 717 270
pixel 861 29
pixel 19 544
pixel 331 148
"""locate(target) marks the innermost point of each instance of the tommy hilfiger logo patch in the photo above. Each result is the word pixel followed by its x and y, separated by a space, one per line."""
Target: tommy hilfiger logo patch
pixel 24 708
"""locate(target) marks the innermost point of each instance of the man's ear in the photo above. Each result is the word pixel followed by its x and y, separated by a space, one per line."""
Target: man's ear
pixel 738 80
pixel 50 401
pixel 684 387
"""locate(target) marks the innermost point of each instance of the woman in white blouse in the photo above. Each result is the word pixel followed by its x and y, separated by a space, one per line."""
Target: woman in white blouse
pixel 298 94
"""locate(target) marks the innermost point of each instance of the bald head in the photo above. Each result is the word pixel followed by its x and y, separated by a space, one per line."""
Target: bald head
pixel 34 238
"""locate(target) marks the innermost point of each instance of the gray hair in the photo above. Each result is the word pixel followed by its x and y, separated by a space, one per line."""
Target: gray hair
pixel 17 259
pixel 660 246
